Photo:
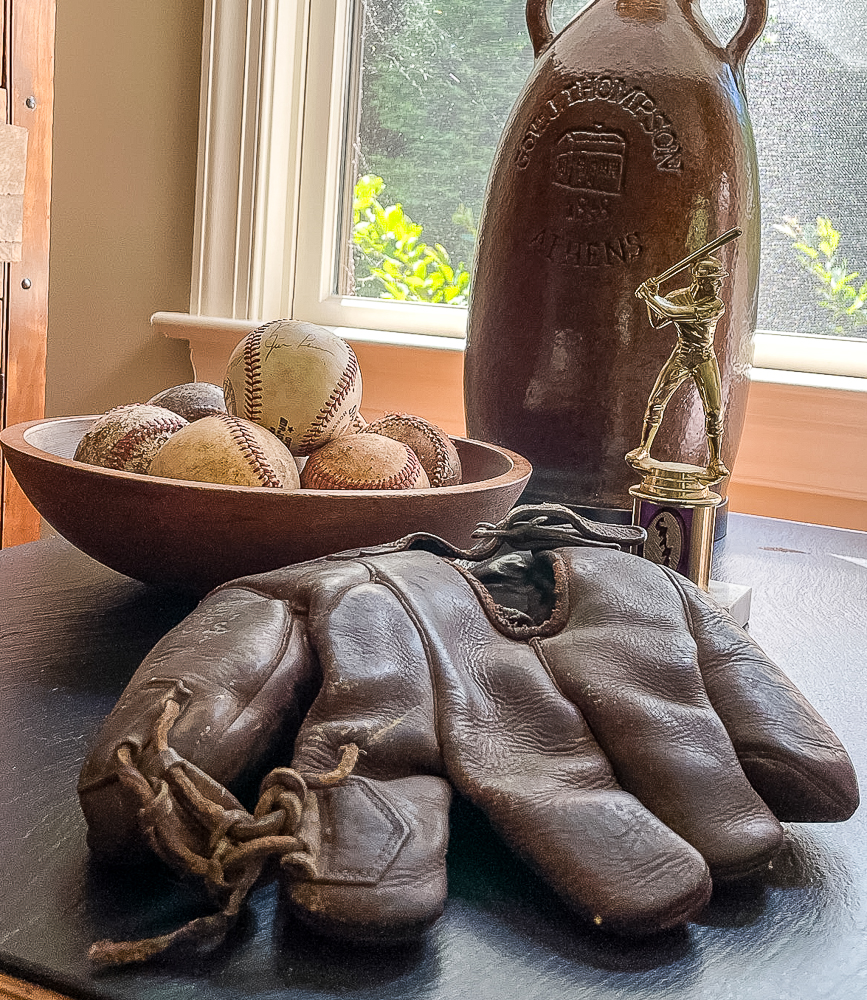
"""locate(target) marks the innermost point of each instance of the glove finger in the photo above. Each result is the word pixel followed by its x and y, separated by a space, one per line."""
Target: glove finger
pixel 377 841
pixel 610 858
pixel 374 868
pixel 241 675
pixel 789 753
pixel 537 771
pixel 629 662
pixel 520 751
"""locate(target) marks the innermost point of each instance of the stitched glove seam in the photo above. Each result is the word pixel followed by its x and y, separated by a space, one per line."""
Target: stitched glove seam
pixel 802 772
pixel 687 610
pixel 384 581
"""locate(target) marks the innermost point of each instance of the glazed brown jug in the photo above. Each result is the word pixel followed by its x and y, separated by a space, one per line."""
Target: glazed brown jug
pixel 629 147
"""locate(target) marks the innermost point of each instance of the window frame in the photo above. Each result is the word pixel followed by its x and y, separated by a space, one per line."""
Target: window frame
pixel 267 204
pixel 258 201
pixel 264 248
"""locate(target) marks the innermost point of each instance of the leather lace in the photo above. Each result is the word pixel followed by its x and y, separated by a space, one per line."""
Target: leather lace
pixel 175 812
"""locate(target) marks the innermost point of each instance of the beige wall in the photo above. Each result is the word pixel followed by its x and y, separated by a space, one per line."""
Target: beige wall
pixel 125 130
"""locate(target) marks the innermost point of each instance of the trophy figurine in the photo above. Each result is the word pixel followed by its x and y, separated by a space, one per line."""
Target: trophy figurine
pixel 673 502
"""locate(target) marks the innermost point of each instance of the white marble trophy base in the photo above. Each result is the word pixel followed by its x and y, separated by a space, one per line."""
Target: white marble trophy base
pixel 734 598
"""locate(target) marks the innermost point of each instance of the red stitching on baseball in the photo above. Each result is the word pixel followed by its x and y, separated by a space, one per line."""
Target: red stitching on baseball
pixel 333 403
pixel 320 478
pixel 253 374
pixel 443 467
pixel 252 451
pixel 126 447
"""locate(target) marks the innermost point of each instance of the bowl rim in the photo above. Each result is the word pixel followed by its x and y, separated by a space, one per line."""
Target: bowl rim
pixel 14 437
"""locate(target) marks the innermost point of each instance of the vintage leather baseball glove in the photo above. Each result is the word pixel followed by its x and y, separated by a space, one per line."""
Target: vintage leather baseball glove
pixel 622 734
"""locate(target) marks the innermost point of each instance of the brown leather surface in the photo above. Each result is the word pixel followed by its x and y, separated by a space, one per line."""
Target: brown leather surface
pixel 73 633
pixel 613 751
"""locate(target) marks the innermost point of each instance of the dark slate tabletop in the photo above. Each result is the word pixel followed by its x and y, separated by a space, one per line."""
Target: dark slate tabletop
pixel 72 632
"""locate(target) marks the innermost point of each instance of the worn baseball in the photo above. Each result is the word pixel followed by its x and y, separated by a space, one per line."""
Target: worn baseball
pixel 364 462
pixel 227 450
pixel 298 380
pixel 192 400
pixel 358 424
pixel 436 452
pixel 128 437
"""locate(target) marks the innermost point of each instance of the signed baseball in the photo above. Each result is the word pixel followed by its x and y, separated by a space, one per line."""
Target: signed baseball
pixel 364 462
pixel 192 400
pixel 128 437
pixel 298 380
pixel 438 456
pixel 227 450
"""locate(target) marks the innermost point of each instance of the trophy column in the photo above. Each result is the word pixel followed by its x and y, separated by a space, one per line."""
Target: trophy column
pixel 677 511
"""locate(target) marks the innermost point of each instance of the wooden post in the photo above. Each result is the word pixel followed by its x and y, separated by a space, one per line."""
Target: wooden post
pixel 28 61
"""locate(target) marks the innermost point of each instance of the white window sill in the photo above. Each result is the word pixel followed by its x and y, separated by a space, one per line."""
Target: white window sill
pixel 844 357
pixel 813 380
pixel 798 454
pixel 825 363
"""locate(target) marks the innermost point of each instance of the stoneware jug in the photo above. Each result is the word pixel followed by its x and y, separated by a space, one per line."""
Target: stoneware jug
pixel 629 147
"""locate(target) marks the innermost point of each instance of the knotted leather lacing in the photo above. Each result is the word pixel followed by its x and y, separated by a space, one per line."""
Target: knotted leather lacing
pixel 175 812
pixel 549 525
pixel 514 556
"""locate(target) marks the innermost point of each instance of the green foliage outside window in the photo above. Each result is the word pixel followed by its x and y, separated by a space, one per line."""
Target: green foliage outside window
pixel 818 250
pixel 393 261
pixel 439 77
pixel 438 82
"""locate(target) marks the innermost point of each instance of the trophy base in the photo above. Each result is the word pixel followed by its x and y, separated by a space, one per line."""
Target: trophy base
pixel 675 480
pixel 734 598
pixel 677 510
pixel 548 488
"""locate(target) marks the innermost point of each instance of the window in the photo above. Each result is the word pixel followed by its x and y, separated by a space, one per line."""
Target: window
pixel 299 139
pixel 275 106
pixel 438 80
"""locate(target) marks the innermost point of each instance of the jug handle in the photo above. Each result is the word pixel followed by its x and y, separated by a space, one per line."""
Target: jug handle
pixel 753 24
pixel 538 14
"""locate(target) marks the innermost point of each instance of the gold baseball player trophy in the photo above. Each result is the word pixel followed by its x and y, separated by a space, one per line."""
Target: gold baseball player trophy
pixel 673 502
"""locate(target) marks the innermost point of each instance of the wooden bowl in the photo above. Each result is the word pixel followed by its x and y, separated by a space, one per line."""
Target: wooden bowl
pixel 196 535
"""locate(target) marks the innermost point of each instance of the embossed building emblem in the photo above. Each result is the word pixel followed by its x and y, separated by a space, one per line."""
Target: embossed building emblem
pixel 590 160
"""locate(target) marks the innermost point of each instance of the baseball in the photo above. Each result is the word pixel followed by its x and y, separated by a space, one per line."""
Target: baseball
pixel 435 450
pixel 358 424
pixel 227 450
pixel 299 381
pixel 128 437
pixel 364 462
pixel 192 400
